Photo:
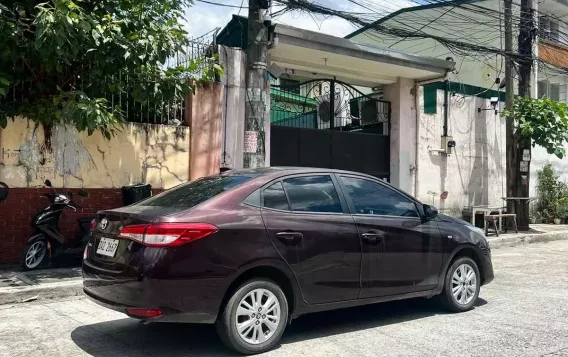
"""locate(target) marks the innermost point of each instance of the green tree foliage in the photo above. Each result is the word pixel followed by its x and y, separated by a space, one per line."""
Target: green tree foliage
pixel 61 60
pixel 544 121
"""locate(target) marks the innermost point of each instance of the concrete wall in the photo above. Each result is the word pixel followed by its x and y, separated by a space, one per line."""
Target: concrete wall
pixel 474 174
pixel 154 154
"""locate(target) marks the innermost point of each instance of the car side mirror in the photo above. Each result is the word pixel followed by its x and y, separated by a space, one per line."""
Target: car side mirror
pixel 47 183
pixel 430 212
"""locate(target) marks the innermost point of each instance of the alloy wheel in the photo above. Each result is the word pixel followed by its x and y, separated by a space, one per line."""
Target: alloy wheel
pixel 258 316
pixel 464 284
pixel 35 254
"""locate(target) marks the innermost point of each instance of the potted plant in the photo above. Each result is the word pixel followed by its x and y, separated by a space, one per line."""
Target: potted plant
pixel 538 217
pixel 563 209
pixel 556 220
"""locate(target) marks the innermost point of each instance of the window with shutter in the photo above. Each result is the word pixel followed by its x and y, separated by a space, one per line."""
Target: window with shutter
pixel 554 31
pixel 554 92
pixel 542 89
pixel 563 93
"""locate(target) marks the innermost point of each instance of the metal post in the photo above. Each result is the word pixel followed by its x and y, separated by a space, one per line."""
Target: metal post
pixel 332 105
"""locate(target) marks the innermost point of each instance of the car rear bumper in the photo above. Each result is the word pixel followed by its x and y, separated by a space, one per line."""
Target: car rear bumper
pixel 180 300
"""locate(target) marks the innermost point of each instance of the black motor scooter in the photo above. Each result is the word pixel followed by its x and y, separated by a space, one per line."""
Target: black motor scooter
pixel 47 241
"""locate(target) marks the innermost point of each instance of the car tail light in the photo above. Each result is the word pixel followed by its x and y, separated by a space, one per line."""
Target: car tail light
pixel 143 313
pixel 93 225
pixel 167 234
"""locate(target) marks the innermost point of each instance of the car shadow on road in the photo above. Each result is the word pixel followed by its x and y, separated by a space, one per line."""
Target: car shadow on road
pixel 127 337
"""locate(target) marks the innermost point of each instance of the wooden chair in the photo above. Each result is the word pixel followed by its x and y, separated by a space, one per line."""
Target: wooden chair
pixel 493 218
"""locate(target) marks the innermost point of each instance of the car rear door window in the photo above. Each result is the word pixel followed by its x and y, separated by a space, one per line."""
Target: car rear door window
pixel 193 193
pixel 312 194
pixel 372 198
pixel 275 197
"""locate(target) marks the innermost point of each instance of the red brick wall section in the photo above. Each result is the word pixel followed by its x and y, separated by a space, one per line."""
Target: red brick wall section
pixel 23 203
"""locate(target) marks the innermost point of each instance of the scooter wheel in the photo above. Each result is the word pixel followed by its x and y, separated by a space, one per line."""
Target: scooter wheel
pixel 33 255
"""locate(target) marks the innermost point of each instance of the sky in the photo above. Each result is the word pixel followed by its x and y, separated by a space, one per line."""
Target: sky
pixel 203 17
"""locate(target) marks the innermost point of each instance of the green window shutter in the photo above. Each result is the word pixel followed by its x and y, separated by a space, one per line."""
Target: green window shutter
pixel 430 98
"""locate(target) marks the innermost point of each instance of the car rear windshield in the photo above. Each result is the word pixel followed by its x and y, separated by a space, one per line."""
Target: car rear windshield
pixel 193 193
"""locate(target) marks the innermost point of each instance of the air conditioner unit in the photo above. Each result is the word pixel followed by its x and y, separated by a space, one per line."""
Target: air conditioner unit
pixel 340 113
pixel 372 111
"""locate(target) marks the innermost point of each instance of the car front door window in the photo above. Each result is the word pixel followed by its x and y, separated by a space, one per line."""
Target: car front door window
pixel 372 198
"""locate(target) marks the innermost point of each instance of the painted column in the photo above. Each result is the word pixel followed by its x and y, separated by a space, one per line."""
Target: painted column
pixel 234 62
pixel 402 132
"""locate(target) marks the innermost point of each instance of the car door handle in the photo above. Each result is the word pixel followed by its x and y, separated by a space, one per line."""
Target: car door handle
pixel 372 237
pixel 289 236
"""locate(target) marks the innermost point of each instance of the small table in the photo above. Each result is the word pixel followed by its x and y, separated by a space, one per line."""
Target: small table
pixel 519 199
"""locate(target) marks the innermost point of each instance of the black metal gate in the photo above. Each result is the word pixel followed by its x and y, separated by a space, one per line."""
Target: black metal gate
pixel 329 124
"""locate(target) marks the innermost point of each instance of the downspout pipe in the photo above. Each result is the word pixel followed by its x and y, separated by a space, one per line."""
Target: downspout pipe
pixel 446 94
pixel 417 85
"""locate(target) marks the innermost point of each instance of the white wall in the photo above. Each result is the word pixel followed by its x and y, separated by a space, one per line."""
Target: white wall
pixel 475 172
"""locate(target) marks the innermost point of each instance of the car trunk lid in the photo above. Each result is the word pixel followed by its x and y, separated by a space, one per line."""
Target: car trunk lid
pixel 111 252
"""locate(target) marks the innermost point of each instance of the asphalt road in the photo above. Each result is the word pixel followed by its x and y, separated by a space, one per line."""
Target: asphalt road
pixel 524 312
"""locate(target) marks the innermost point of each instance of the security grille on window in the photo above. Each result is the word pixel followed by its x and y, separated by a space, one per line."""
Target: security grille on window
pixel 552 91
pixel 549 28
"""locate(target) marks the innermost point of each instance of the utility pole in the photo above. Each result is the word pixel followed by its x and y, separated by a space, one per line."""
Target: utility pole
pixel 256 97
pixel 523 145
pixel 511 177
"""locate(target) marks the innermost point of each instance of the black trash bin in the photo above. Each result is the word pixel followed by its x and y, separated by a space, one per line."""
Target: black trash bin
pixel 134 193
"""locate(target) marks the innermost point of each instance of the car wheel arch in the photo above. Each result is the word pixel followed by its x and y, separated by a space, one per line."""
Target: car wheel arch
pixel 278 275
pixel 466 250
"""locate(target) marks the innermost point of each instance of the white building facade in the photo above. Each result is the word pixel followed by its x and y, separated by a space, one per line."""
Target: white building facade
pixel 474 172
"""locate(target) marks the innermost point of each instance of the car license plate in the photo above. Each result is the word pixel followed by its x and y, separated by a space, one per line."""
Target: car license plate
pixel 107 247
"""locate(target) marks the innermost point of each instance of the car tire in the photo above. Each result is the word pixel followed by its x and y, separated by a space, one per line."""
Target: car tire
pixel 461 288
pixel 259 332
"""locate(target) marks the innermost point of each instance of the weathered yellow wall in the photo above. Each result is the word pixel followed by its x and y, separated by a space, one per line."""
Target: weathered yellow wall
pixel 154 154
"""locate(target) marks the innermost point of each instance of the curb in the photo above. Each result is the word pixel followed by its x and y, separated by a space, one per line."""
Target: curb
pixel 523 239
pixel 41 292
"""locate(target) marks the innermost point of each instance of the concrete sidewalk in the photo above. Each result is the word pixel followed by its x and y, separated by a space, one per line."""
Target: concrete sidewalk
pixel 17 286
pixel 537 233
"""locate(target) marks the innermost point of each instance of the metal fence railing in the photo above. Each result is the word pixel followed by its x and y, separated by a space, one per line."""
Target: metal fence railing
pixel 144 106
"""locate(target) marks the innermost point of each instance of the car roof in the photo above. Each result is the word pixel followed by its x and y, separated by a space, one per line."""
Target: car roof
pixel 277 171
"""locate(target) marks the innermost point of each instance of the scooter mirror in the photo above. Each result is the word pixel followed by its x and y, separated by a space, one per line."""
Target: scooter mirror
pixel 83 193
pixel 3 191
pixel 47 183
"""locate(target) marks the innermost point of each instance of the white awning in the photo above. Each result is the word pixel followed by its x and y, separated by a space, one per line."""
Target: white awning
pixel 316 55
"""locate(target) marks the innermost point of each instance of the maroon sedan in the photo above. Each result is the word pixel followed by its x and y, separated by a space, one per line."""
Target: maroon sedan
pixel 252 250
